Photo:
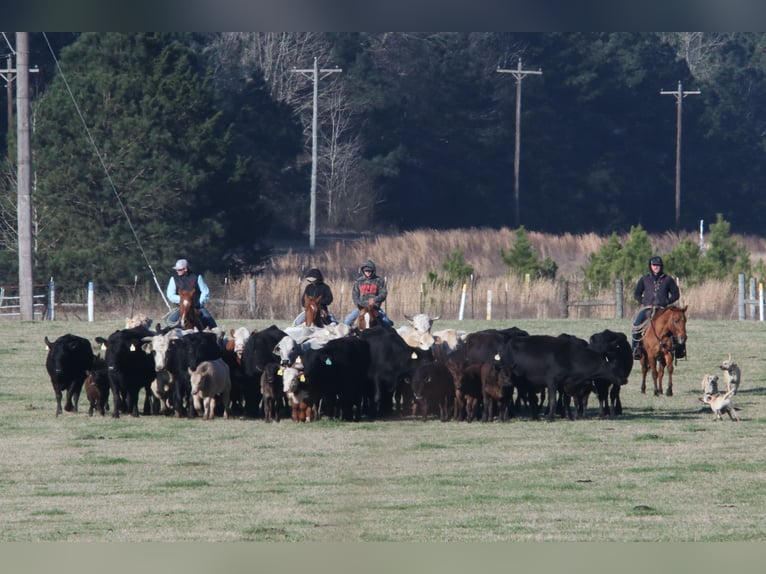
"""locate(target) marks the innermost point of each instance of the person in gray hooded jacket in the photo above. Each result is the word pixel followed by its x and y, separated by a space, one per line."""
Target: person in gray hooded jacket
pixel 368 288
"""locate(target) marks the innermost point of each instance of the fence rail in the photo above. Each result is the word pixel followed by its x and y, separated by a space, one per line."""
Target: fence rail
pixel 10 301
pixel 563 299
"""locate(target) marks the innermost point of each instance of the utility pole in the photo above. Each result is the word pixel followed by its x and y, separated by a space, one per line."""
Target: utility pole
pixel 314 74
pixel 680 95
pixel 24 171
pixel 519 74
pixel 9 74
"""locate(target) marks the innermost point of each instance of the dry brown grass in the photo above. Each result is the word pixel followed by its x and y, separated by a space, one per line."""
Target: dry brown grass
pixel 405 259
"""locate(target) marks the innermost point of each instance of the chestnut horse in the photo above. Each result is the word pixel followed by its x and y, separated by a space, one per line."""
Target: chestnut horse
pixel 662 331
pixel 314 315
pixel 188 314
pixel 368 317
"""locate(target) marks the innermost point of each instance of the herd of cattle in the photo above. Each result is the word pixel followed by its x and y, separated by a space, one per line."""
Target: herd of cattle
pixel 306 373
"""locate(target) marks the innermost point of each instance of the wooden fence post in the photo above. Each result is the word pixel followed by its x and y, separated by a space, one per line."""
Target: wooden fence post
pixel 618 299
pixel 489 304
pixel 251 296
pixel 564 298
pixel 741 296
pixel 753 310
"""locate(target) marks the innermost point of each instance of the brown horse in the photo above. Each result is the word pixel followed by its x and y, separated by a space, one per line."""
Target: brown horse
pixel 188 313
pixel 368 317
pixel 315 315
pixel 661 332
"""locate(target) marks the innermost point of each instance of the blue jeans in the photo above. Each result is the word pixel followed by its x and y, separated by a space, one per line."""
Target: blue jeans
pixel 351 317
pixel 640 318
pixel 207 318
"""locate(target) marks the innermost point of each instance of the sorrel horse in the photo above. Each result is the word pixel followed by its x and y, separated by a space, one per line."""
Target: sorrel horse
pixel 368 317
pixel 188 313
pixel 313 312
pixel 661 332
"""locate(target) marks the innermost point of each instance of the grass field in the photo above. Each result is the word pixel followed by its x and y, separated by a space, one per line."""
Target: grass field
pixel 664 471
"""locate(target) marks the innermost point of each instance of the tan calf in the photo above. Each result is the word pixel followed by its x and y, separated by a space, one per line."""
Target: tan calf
pixel 209 380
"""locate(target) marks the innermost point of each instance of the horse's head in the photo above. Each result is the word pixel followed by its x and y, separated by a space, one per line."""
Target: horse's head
pixel 368 317
pixel 189 316
pixel 313 310
pixel 672 320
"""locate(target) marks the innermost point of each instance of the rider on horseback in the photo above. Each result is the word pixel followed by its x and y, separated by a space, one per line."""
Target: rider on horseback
pixel 655 289
pixel 316 287
pixel 186 280
pixel 368 288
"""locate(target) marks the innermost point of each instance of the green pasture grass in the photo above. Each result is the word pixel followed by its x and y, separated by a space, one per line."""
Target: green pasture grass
pixel 662 472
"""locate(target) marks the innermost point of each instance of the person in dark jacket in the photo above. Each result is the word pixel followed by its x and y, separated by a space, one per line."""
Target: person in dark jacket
pixel 655 289
pixel 368 288
pixel 184 279
pixel 316 287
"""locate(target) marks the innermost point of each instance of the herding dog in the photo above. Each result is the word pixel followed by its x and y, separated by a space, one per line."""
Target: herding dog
pixel 720 404
pixel 709 384
pixel 732 374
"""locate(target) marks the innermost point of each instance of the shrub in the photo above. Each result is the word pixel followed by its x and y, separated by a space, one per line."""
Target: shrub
pixel 522 259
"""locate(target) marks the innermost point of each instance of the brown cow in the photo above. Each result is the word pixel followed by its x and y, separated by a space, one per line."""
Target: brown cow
pixel 97 387
pixel 496 386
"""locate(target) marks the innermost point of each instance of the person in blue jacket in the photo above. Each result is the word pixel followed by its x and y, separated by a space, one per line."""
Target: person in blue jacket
pixel 184 279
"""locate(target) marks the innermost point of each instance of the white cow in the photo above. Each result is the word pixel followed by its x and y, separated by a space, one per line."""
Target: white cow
pixel 158 346
pixel 418 332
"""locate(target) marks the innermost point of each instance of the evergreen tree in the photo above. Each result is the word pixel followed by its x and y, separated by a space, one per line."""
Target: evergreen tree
pixel 686 263
pixel 521 258
pixel 724 258
pixel 151 111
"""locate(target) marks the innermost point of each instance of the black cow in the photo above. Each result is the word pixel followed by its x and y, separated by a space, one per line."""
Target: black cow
pixel 616 348
pixel 338 371
pixel 480 347
pixel 130 369
pixel 272 392
pixel 392 363
pixel 259 352
pixel 432 384
pixel 69 359
pixel 186 353
pixel 555 363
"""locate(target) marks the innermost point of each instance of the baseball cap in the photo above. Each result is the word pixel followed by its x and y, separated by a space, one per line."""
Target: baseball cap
pixel 181 264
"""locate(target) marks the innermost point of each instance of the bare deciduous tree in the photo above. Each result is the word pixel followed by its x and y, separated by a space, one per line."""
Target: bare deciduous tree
pixel 698 50
pixel 275 54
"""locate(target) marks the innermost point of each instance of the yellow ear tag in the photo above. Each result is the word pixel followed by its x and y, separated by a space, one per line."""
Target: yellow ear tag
pixel 279 372
pixel 302 378
pixel 414 355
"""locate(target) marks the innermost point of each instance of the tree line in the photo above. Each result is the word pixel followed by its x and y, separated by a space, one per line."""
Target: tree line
pixel 152 146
